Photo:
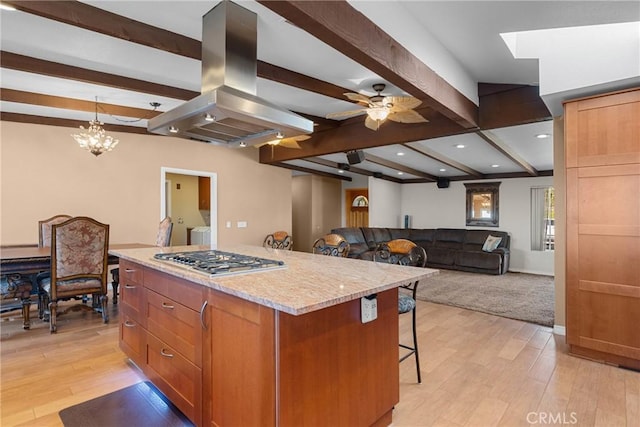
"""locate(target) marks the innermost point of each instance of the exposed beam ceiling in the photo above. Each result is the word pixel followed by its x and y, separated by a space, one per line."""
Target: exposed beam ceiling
pixel 340 26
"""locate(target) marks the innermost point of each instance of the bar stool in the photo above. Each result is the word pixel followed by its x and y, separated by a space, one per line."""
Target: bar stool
pixel 332 245
pixel 405 252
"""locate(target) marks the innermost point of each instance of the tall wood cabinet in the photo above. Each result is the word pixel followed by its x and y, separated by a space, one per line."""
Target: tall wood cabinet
pixel 602 141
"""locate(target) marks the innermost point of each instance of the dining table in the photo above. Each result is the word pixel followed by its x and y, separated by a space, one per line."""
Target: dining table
pixel 19 266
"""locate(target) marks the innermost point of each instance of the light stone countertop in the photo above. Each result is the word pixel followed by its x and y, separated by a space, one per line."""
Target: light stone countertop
pixel 308 282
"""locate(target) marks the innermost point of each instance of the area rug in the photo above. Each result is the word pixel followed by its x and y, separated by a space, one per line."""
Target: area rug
pixel 520 296
pixel 137 405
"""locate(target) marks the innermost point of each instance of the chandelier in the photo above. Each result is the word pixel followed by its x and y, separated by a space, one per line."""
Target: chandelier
pixel 95 138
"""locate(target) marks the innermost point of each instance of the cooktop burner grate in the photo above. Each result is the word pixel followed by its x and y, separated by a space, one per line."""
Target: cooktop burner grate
pixel 218 263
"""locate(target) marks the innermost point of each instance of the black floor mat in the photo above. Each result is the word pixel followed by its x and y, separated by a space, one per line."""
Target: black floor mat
pixel 138 405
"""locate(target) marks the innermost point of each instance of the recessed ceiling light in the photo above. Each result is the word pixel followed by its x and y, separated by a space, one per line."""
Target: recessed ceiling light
pixel 399 153
pixel 400 173
pixel 495 166
pixel 459 145
pixel 340 171
pixel 443 170
pixel 542 135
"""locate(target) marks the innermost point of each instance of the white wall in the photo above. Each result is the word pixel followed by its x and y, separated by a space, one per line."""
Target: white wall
pixel 384 203
pixel 432 207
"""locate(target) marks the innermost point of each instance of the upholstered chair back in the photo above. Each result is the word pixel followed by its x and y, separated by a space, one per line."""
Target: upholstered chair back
pixel 44 229
pixel 164 232
pixel 80 247
pixel 332 245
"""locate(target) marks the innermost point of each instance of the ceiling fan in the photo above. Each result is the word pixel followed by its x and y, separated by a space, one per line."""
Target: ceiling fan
pixel 380 108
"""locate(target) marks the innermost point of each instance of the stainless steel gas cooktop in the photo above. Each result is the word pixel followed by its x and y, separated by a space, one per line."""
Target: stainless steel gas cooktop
pixel 219 263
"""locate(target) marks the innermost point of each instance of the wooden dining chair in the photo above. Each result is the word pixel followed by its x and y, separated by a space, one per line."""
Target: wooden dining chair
pixel 278 240
pixel 405 252
pixel 163 239
pixel 79 255
pixel 44 229
pixel 331 245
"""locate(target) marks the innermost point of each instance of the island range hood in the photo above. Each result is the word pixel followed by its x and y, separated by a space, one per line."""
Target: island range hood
pixel 228 112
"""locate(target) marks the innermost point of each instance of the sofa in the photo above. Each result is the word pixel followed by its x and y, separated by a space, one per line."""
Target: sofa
pixel 448 248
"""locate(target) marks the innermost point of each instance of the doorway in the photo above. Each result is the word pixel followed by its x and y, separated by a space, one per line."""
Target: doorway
pixel 165 195
pixel 357 207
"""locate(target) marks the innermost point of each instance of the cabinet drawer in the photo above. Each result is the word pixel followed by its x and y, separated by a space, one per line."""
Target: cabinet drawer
pixel 131 272
pixel 133 339
pixel 175 324
pixel 132 299
pixel 179 379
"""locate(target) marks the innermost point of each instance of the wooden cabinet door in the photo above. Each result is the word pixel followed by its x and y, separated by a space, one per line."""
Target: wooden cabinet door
pixel 603 227
pixel 204 193
pixel 239 367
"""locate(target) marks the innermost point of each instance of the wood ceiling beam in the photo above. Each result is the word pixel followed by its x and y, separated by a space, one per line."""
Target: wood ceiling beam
pixel 355 136
pixel 342 27
pixel 54 121
pixel 28 64
pixel 100 21
pixel 444 160
pixel 397 166
pixel 510 105
pixel 312 171
pixel 31 98
pixel 352 169
pixel 499 145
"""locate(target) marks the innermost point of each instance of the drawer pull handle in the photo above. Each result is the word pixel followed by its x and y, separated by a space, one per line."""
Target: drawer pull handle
pixel 129 324
pixel 165 354
pixel 165 305
pixel 129 287
pixel 129 270
pixel 202 322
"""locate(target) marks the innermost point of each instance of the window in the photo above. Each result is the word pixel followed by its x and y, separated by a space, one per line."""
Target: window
pixel 542 219
pixel 482 204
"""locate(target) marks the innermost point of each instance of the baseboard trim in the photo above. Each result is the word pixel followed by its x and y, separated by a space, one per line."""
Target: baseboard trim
pixel 559 330
pixel 537 273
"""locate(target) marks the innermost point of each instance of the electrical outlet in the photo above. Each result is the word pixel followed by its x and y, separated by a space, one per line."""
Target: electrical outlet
pixel 369 308
pixel 228 224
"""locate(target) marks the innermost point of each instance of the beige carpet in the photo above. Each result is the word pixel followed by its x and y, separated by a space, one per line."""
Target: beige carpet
pixel 521 296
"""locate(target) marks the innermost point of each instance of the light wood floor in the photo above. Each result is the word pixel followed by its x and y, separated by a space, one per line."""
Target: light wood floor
pixel 477 370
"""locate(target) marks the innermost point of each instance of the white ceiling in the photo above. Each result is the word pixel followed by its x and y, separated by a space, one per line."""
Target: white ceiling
pixel 458 39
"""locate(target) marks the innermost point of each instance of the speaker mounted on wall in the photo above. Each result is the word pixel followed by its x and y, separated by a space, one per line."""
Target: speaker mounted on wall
pixel 355 156
pixel 443 182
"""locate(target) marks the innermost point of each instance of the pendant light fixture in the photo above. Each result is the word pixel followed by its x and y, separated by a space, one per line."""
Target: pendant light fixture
pixel 95 138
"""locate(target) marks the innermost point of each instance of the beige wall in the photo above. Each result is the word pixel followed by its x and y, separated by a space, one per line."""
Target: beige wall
pixel 43 172
pixel 316 209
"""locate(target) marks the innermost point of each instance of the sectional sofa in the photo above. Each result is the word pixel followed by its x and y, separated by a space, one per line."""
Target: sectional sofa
pixel 449 248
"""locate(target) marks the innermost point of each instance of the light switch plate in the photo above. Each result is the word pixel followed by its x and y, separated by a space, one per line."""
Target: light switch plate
pixel 369 308
pixel 242 224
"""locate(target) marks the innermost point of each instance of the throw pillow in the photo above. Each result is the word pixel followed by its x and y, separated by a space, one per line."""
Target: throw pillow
pixel 491 243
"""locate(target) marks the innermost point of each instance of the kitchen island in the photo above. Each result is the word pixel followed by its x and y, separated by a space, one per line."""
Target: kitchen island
pixel 284 347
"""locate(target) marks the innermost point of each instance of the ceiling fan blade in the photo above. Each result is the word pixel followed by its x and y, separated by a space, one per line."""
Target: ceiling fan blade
pixel 289 143
pixel 372 124
pixel 357 97
pixel 300 138
pixel 401 103
pixel 350 113
pixel 407 116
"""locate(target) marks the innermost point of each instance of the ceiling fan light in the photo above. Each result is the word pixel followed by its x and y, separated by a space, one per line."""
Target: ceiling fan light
pixel 378 114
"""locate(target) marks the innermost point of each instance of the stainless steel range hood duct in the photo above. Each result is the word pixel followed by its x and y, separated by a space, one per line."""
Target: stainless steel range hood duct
pixel 228 111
